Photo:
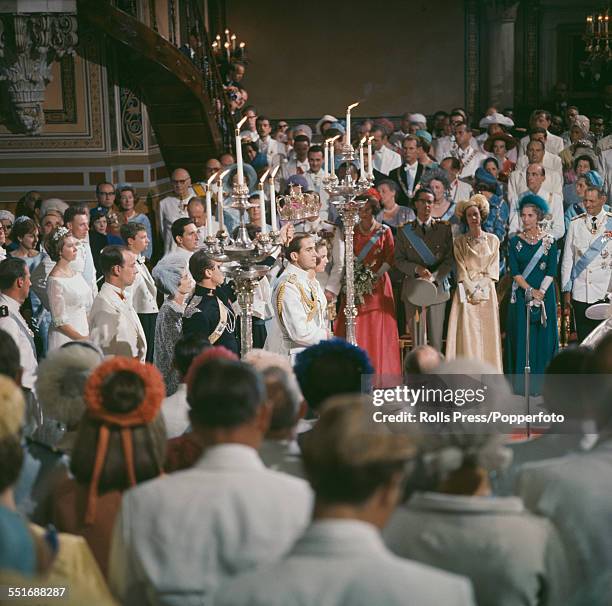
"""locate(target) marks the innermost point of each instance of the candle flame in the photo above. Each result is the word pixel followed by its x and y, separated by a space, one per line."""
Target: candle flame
pixel 370 139
pixel 212 178
pixel 350 107
pixel 263 177
pixel 233 37
pixel 222 175
pixel 227 31
pixel 362 142
pixel 242 44
pixel 239 125
pixel 331 141
pixel 226 45
pixel 274 171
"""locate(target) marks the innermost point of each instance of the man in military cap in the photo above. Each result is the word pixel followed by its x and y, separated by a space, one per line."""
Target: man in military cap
pixel 424 251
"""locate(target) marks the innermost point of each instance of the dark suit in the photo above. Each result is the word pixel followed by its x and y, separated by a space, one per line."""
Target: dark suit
pixel 439 240
pixel 399 176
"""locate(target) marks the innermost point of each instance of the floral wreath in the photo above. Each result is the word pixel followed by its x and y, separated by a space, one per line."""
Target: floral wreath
pixel 145 412
pixel 60 232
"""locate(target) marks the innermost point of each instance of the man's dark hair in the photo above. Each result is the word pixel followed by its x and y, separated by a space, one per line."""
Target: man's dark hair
pixel 225 393
pixel 301 139
pixel 454 162
pixel 110 256
pixel 99 185
pixel 178 227
pixel 261 119
pixel 72 211
pixel 10 358
pixel 484 186
pixel 537 130
pixel 314 149
pixel 541 112
pixel 331 368
pixel 186 349
pixel 296 244
pixel 130 229
pixel 584 157
pixel 199 262
pixel 10 270
pixel 423 190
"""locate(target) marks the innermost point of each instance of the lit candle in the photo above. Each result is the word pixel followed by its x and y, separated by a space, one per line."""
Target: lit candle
pixel 606 21
pixel 227 35
pixel 599 24
pixel 239 151
pixel 220 200
pixel 242 49
pixel 227 50
pixel 233 39
pixel 361 144
pixel 348 123
pixel 331 156
pixel 209 227
pixel 273 218
pixel 325 157
pixel 370 166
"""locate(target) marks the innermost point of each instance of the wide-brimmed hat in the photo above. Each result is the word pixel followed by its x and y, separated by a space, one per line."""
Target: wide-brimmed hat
pixel 510 141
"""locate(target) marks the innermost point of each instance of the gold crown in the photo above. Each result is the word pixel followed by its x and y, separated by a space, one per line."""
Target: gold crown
pixel 298 205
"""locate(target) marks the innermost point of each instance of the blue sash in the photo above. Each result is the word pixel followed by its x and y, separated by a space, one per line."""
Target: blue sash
pixel 370 243
pixel 428 258
pixel 544 247
pixel 596 247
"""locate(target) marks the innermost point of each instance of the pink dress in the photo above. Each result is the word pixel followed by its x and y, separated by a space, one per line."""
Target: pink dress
pixel 375 326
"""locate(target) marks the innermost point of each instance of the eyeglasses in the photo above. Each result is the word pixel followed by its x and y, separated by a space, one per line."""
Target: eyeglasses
pixel 107 193
pixel 7 226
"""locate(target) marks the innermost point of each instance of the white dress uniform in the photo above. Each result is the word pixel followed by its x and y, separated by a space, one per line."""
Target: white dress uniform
pixel 554 144
pixel 177 537
pixel 511 556
pixel 594 282
pixel 517 183
pixel 142 294
pixel 300 313
pixel 344 562
pixel 84 265
pixel 385 160
pixel 175 411
pixel 15 325
pixel 574 493
pixel 550 162
pixel 555 205
pixel 114 325
pixel 443 146
pixel 171 209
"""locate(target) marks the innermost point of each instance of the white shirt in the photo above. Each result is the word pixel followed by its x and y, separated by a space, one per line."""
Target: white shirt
pixel 114 325
pixel 551 162
pixel 460 190
pixel 274 151
pixel 292 329
pixel 171 209
pixel 340 562
pixel 443 146
pixel 574 493
pixel 471 161
pixel 178 536
pixel 385 160
pixel 143 293
pixel 412 170
pixel 593 283
pixel 16 326
pixel 84 265
pixel 175 411
pixel 554 144
pixel 517 183
pixel 555 205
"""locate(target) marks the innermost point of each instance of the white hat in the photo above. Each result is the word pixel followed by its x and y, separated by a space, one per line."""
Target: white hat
pixel 325 118
pixel 599 311
pixel 54 203
pixel 496 118
pixel 417 118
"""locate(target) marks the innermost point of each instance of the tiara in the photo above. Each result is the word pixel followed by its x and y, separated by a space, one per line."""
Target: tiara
pixel 61 232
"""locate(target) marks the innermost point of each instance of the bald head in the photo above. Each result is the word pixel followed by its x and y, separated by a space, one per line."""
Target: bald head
pixel 181 182
pixel 422 360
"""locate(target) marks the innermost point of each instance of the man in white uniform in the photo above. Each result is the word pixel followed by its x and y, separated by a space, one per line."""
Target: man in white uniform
pixel 553 179
pixel 179 536
pixel 586 269
pixel 385 159
pixel 113 324
pixel 298 302
pixel 174 207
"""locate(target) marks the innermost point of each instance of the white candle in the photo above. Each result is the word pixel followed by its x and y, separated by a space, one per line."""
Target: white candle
pixel 348 123
pixel 331 156
pixel 239 152
pixel 370 166
pixel 209 227
pixel 325 157
pixel 361 144
pixel 262 203
pixel 273 218
pixel 220 200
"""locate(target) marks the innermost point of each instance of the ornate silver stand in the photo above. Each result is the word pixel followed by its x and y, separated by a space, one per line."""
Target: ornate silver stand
pixel 241 260
pixel 342 195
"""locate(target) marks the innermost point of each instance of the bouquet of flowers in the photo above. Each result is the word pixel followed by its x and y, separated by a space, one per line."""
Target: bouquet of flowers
pixel 365 279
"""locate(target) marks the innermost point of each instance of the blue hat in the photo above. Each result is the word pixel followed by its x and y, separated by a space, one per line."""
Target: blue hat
pixel 594 179
pixel 484 176
pixel 424 134
pixel 96 213
pixel 533 200
pixel 338 126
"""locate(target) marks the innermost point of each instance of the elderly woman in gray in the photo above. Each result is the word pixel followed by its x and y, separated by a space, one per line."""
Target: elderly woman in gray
pixel 455 523
pixel 172 277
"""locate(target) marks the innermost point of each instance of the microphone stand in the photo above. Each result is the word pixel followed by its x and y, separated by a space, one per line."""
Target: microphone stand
pixel 527 369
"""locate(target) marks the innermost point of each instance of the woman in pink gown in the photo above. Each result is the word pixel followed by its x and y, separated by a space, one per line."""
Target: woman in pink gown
pixel 375 326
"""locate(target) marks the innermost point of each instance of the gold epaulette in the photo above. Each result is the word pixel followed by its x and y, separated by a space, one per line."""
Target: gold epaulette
pixel 580 216
pixel 309 304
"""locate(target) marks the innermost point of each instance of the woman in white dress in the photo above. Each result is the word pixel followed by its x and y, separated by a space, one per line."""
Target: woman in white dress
pixel 69 295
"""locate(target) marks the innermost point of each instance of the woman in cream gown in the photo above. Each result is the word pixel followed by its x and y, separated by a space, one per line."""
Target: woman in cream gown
pixel 473 327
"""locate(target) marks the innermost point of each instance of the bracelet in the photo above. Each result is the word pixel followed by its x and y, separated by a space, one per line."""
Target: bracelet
pixel 529 291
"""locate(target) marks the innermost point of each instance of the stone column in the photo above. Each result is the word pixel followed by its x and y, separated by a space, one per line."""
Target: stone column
pixel 33 34
pixel 501 19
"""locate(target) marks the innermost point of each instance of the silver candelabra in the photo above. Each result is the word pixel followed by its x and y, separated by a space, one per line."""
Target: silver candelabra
pixel 343 194
pixel 241 260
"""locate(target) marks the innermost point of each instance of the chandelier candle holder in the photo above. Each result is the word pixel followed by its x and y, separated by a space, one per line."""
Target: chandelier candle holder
pixel 598 42
pixel 342 194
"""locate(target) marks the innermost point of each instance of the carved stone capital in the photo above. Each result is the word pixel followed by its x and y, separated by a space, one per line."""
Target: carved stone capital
pixel 28 46
pixel 501 11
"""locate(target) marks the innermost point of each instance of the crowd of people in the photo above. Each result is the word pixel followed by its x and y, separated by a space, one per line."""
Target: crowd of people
pixel 128 418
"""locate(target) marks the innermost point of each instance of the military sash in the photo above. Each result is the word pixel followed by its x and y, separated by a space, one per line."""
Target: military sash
pixel 428 258
pixel 370 243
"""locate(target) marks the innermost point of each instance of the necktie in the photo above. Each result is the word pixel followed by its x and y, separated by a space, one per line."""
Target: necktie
pixel 423 228
pixel 409 179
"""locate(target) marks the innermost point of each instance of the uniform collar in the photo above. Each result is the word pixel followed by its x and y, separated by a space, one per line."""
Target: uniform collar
pixel 12 304
pixel 231 457
pixel 465 504
pixel 298 271
pixel 116 290
pixel 204 290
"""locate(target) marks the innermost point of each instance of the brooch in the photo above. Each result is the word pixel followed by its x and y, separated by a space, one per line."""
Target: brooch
pixel 543 265
pixel 519 246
